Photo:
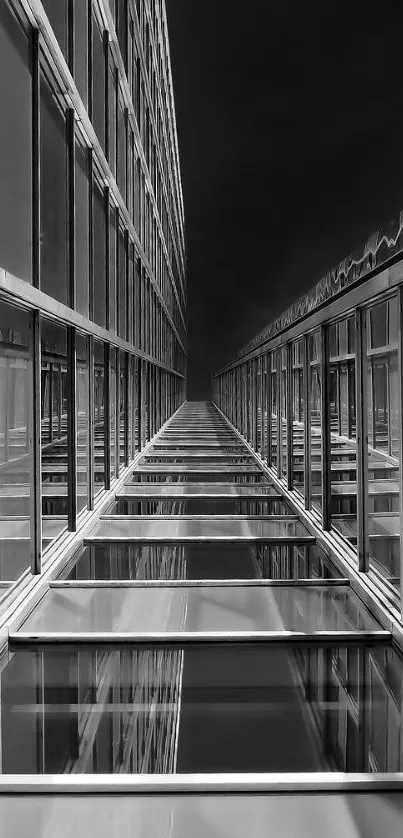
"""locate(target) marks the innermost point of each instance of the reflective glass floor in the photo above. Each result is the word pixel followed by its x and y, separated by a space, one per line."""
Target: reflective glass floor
pixel 199 629
pixel 155 562
pixel 201 709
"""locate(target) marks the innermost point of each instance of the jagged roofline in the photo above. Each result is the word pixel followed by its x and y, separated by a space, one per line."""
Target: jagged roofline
pixel 382 246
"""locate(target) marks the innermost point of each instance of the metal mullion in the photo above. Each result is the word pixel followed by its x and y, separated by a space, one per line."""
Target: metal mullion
pixel 307 422
pixel 91 431
pixel 72 429
pixel 36 472
pixel 107 415
pixel 361 384
pixel 289 415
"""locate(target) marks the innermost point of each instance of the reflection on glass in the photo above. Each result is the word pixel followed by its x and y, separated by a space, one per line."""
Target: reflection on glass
pixel 384 429
pixel 133 561
pixel 342 406
pixel 122 407
pixel 112 419
pixel 315 397
pixel 81 48
pixel 53 196
pixel 99 416
pixel 82 233
pixel 54 416
pixel 274 406
pixel 83 421
pixel 15 441
pixel 283 414
pixel 298 415
pixel 197 709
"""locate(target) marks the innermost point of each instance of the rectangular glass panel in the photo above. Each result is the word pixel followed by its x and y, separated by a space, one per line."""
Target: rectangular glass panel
pixel 136 562
pixel 142 710
pixel 315 410
pixel 218 609
pixel 384 433
pixel 274 406
pixel 53 196
pixel 283 413
pixel 99 416
pixel 83 421
pixel 201 528
pixel 54 418
pixel 99 279
pixel 122 407
pixel 298 416
pixel 81 48
pixel 343 422
pixel 112 420
pixel 15 147
pixel 98 75
pixel 82 229
pixel 15 441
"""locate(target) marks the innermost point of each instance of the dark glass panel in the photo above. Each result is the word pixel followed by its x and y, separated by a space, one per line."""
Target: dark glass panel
pixel 99 415
pixel 98 85
pixel 82 230
pixel 15 148
pixel 53 196
pixel 55 410
pixel 99 302
pixel 81 48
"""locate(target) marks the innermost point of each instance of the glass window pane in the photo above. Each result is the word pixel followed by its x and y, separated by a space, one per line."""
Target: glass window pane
pixel 298 415
pixel 273 399
pixel 56 11
pixel 112 402
pixel 99 416
pixel 15 441
pixel 122 289
pixel 53 196
pixel 315 399
pixel 343 448
pixel 81 48
pixel 54 418
pixel 122 150
pixel 98 92
pixel 83 421
pixel 122 408
pixel 283 419
pixel 112 116
pixel 82 230
pixel 384 428
pixel 15 148
pixel 99 303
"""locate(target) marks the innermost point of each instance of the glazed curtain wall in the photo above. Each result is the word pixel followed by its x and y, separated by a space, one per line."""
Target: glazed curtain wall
pixel 324 411
pixel 92 282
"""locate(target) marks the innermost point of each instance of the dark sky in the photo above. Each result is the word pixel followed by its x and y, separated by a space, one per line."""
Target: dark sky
pixel 290 122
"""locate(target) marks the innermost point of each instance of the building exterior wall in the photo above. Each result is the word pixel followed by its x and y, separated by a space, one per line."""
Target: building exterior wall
pixel 92 260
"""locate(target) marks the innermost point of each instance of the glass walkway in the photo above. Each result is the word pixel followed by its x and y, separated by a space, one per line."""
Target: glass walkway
pixel 200 641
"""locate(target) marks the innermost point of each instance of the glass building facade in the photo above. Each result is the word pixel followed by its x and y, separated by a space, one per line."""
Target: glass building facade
pixel 318 395
pixel 92 262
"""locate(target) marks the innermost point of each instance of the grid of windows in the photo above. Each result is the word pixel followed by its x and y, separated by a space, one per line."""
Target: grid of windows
pixel 92 260
pixel 329 420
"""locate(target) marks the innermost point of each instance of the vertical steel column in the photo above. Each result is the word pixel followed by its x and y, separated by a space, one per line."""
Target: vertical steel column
pixel 306 384
pixel 362 438
pixel 36 475
pixel 289 414
pixel 325 429
pixel 71 429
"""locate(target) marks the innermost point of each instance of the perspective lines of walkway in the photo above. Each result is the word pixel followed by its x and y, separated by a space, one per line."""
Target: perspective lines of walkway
pixel 199 632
